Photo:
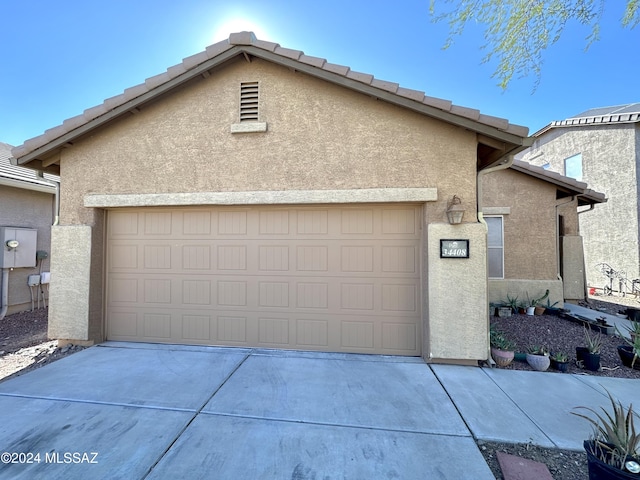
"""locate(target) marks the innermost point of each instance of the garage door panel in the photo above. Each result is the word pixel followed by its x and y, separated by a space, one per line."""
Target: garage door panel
pixel 232 330
pixel 337 278
pixel 196 223
pixel 312 295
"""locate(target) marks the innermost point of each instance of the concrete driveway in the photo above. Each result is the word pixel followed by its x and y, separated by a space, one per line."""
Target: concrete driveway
pixel 139 411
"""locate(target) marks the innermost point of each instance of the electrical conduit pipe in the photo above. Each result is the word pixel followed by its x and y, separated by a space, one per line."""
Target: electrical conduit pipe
pixel 479 177
pixel 4 305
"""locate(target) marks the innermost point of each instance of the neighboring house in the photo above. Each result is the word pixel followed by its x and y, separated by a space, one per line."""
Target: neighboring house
pixel 256 196
pixel 26 201
pixel 534 240
pixel 601 147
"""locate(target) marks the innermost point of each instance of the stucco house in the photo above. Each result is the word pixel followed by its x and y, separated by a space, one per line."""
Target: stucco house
pixel 601 147
pixel 534 239
pixel 256 196
pixel 27 203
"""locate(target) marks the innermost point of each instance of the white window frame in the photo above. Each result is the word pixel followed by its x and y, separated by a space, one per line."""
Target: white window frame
pixel 496 247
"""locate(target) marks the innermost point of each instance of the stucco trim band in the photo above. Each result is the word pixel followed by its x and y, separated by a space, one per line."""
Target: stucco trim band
pixel 248 127
pixel 368 195
pixel 496 210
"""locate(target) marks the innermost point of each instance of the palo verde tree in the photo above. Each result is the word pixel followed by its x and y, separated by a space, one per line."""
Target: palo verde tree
pixel 517 32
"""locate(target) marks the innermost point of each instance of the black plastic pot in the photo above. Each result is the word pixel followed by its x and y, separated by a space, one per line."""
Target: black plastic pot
pixel 626 356
pixel 560 366
pixel 580 352
pixel 592 361
pixel 599 470
pixel 633 314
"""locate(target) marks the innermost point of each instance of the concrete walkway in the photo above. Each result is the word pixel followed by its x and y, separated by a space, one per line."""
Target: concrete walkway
pixel 620 322
pixel 140 411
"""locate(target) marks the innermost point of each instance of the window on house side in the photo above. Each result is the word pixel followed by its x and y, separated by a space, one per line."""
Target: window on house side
pixel 573 166
pixel 495 246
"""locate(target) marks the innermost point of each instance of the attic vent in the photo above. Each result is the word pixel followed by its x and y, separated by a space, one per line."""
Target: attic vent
pixel 249 102
pixel 249 96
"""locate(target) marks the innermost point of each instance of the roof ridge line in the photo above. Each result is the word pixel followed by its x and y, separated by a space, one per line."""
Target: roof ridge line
pixel 241 40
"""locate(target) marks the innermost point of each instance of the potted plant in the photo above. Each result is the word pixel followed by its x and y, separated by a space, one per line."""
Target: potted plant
pixel 591 357
pixel 534 303
pixel 633 330
pixel 538 358
pixel 630 353
pixel 560 361
pixel 513 303
pixel 613 451
pixel 551 308
pixel 502 349
pixel 501 309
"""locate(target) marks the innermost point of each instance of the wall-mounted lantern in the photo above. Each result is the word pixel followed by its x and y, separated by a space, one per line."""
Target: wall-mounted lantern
pixel 455 210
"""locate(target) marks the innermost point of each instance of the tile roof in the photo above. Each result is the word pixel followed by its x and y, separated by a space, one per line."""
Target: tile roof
pixel 245 43
pixel 21 177
pixel 627 113
pixel 587 195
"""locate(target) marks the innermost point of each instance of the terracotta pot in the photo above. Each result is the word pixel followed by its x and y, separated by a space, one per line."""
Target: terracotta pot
pixel 502 357
pixel 539 310
pixel 539 363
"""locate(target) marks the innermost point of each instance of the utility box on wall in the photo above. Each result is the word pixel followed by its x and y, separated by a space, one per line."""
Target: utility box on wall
pixel 18 247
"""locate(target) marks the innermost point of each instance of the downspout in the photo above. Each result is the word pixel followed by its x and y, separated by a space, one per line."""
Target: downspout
pixel 584 265
pixel 573 198
pixel 481 219
pixel 56 201
pixel 5 293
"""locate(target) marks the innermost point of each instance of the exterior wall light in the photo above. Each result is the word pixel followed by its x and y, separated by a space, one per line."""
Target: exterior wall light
pixel 455 211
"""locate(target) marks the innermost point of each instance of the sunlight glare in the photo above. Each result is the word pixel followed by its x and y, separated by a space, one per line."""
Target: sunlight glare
pixel 237 24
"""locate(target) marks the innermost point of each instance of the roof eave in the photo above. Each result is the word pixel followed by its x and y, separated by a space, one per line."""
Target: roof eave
pixel 387 96
pixel 25 185
pixel 45 154
pixel 575 187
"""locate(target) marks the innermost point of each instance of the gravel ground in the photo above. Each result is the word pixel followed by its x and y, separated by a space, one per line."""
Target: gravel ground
pixel 24 346
pixel 559 334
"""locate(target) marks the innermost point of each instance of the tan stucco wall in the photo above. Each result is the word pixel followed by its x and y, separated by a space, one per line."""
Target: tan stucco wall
pixel 26 209
pixel 70 282
pixel 574 275
pixel 610 164
pixel 457 289
pixel 319 137
pixel 501 290
pixel 532 218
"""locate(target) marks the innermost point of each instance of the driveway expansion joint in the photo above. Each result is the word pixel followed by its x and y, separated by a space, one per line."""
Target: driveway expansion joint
pixel 340 425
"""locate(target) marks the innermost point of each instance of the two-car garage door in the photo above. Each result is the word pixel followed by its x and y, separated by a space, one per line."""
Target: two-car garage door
pixel 330 278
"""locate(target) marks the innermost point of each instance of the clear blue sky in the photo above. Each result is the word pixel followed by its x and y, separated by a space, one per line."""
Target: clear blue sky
pixel 61 57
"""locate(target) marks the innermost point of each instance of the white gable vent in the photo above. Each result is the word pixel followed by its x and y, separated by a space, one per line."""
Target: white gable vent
pixel 249 102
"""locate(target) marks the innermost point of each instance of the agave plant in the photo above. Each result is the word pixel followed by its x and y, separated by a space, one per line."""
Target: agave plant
pixel 593 340
pixel 614 438
pixel 560 357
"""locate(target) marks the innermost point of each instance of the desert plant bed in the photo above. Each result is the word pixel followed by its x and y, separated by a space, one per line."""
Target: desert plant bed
pixel 561 334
